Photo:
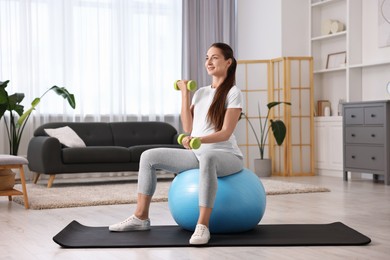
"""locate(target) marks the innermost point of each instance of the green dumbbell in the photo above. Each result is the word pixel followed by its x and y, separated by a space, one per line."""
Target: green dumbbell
pixel 194 143
pixel 191 85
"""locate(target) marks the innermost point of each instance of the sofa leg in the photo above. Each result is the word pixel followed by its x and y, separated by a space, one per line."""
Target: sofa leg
pixel 36 177
pixel 51 180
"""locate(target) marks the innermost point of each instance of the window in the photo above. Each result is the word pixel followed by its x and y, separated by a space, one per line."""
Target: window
pixel 119 57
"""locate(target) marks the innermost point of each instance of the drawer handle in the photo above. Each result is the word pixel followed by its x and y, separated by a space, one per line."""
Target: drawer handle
pixel 353 156
pixel 373 158
pixel 372 135
pixel 353 135
pixel 353 116
pixel 372 115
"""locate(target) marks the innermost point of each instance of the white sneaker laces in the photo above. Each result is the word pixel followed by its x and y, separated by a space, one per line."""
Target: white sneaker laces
pixel 127 220
pixel 199 231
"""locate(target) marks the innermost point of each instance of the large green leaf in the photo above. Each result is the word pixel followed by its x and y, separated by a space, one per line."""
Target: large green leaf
pixel 14 103
pixel 272 104
pixel 66 95
pixel 60 91
pixel 3 108
pixel 279 130
pixel 3 84
pixel 3 101
pixel 3 98
pixel 26 114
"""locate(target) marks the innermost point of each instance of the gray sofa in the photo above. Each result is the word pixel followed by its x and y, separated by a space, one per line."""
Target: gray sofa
pixel 110 147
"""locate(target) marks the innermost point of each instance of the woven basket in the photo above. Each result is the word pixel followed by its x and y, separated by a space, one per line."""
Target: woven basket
pixel 7 179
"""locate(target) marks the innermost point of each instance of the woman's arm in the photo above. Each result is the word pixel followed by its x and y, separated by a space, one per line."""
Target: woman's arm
pixel 229 124
pixel 186 109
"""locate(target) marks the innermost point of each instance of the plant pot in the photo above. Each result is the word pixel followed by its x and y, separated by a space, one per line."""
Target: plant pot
pixel 7 179
pixel 263 167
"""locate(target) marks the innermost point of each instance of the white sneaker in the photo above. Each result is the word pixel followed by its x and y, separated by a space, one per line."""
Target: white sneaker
pixel 201 235
pixel 132 223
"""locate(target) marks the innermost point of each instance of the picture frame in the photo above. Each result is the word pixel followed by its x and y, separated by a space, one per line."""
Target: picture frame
pixel 336 60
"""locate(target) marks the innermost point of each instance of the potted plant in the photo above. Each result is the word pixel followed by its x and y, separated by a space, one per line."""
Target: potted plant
pixel 263 167
pixel 11 103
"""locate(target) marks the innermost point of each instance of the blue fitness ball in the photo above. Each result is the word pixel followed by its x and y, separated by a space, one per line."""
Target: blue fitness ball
pixel 239 204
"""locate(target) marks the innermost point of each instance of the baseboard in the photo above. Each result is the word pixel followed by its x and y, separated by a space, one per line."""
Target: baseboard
pixel 330 173
pixel 351 176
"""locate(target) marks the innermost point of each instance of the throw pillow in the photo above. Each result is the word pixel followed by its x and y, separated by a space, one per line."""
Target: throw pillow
pixel 66 136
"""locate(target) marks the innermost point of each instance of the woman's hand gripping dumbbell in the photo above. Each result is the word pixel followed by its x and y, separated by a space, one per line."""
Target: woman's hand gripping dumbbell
pixel 191 84
pixel 194 142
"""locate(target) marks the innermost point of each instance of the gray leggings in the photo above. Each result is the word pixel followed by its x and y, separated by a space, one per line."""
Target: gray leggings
pixel 211 165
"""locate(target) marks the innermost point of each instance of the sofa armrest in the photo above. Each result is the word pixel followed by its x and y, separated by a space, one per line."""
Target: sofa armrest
pixel 44 154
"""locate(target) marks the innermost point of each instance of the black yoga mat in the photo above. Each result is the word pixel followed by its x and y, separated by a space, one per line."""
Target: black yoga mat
pixel 76 235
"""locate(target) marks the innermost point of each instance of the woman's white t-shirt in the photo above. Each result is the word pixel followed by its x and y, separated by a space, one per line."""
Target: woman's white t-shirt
pixel 201 101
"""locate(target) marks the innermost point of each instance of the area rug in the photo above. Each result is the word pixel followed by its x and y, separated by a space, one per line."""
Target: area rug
pixel 94 194
pixel 76 235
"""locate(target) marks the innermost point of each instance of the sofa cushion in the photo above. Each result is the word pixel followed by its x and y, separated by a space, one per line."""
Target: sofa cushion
pixel 128 134
pixel 92 133
pixel 66 136
pixel 137 150
pixel 96 154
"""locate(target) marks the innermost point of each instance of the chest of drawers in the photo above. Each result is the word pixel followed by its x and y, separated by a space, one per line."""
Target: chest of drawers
pixel 366 138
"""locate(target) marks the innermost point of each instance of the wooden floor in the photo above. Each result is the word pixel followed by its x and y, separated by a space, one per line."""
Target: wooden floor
pixel 360 204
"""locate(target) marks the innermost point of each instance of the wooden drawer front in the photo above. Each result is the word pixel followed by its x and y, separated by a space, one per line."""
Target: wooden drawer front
pixel 364 157
pixel 374 115
pixel 354 115
pixel 365 135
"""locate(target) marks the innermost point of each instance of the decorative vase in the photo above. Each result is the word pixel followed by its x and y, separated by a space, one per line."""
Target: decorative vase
pixel 7 179
pixel 263 167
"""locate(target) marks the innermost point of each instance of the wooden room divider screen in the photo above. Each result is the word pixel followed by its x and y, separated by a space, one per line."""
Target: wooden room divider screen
pixel 282 79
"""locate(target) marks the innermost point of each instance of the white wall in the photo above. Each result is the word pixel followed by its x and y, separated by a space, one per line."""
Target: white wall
pixel 270 29
pixel 371 51
pixel 259 29
pixel 376 78
pixel 295 28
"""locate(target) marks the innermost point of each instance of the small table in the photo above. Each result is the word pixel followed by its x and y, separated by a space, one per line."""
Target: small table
pixel 15 162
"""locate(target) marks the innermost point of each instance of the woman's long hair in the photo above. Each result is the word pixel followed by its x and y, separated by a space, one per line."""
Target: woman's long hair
pixel 217 109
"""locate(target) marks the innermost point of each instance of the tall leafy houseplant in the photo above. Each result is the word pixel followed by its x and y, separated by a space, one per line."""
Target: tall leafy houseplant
pixel 278 128
pixel 11 103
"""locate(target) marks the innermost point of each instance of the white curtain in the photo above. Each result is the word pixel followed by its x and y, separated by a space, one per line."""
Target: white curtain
pixel 118 57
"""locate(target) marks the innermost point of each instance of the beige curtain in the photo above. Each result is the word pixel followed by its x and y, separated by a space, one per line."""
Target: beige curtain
pixel 204 23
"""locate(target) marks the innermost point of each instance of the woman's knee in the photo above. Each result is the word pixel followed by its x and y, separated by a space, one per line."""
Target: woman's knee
pixel 209 158
pixel 150 155
pixel 223 163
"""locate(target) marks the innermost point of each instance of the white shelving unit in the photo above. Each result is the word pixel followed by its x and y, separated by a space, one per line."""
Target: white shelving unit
pixel 329 83
pixel 361 75
pixel 345 82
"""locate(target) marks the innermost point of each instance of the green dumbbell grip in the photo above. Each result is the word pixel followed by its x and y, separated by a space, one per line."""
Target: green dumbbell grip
pixel 194 143
pixel 191 85
pixel 175 85
pixel 180 138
